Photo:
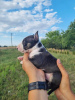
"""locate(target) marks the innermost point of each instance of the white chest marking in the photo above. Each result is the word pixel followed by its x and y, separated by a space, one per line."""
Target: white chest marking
pixel 34 52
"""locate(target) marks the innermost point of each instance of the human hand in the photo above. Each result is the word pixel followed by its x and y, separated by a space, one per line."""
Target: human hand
pixel 33 73
pixel 64 91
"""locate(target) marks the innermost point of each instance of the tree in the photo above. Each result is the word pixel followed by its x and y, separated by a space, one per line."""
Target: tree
pixel 52 39
pixel 69 36
pixel 63 40
pixel 46 42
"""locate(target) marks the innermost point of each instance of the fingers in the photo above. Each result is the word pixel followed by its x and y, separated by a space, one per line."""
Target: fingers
pixel 25 57
pixel 62 69
pixel 59 95
pixel 20 58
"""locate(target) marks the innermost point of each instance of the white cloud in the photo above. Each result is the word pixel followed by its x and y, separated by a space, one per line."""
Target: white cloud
pixel 6 36
pixel 50 15
pixel 48 10
pixel 74 8
pixel 47 3
pixel 38 7
pixel 54 28
pixel 17 4
pixel 27 19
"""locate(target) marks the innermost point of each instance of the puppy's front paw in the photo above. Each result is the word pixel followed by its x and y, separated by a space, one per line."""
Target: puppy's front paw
pixel 20 58
pixel 21 62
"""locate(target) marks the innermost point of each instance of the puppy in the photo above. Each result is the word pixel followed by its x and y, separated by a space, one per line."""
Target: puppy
pixel 42 59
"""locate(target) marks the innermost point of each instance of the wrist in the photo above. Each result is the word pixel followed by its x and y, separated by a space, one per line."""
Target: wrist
pixel 36 79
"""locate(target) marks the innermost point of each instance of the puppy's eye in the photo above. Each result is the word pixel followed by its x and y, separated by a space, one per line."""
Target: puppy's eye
pixel 28 45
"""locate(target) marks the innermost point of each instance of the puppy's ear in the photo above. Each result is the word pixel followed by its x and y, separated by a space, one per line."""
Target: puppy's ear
pixel 36 36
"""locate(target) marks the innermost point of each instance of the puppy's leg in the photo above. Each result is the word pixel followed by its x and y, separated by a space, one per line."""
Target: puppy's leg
pixel 20 58
pixel 54 81
pixel 52 91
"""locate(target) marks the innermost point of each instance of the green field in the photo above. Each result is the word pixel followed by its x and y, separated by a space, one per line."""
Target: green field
pixel 14 81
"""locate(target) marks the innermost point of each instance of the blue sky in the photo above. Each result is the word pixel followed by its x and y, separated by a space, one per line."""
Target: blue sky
pixel 25 17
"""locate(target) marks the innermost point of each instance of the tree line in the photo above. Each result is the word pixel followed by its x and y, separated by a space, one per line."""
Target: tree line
pixel 61 40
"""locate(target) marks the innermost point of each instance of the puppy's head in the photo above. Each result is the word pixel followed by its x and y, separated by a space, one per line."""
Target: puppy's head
pixel 28 43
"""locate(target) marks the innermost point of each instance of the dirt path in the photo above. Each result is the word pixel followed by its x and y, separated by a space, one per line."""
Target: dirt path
pixel 7 48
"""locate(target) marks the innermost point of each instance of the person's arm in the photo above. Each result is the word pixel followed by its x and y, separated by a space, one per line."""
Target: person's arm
pixel 34 75
pixel 64 92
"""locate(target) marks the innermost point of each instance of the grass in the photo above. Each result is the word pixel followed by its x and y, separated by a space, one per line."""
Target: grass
pixel 14 81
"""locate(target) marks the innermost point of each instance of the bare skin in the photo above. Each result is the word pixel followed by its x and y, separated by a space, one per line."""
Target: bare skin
pixel 62 93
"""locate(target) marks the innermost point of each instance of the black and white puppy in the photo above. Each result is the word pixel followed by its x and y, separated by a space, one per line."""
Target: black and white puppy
pixel 42 59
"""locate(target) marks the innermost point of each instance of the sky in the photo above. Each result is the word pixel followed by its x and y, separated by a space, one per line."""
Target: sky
pixel 25 17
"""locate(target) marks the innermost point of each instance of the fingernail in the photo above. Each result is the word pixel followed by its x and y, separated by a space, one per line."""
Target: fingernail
pixel 59 61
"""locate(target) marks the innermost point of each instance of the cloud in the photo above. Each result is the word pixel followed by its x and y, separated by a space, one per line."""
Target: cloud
pixel 38 7
pixel 47 3
pixel 16 4
pixel 48 10
pixel 50 15
pixel 54 28
pixel 6 36
pixel 27 16
pixel 74 8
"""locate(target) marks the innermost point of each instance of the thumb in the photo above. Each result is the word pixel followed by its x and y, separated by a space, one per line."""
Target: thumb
pixel 25 56
pixel 26 63
pixel 61 67
pixel 25 59
pixel 27 66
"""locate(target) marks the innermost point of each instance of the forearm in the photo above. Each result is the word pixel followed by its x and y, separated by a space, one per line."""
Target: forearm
pixel 38 95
